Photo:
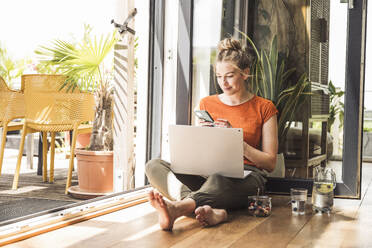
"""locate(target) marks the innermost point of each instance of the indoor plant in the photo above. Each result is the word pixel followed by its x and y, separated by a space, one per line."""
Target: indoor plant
pixel 83 64
pixel 271 81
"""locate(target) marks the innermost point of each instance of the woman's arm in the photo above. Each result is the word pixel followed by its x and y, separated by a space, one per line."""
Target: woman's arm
pixel 265 159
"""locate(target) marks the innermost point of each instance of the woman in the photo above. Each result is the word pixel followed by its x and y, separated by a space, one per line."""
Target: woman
pixel 209 198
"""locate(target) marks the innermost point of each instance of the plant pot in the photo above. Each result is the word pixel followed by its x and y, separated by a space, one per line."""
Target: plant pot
pixel 95 170
pixel 279 170
pixel 82 140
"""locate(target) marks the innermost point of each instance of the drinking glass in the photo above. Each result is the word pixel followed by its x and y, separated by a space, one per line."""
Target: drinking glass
pixel 298 200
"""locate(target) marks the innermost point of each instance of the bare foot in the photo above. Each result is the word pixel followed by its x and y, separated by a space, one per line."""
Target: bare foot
pixel 208 216
pixel 165 210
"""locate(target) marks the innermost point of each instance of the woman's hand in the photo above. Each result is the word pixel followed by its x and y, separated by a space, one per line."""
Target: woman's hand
pixel 204 123
pixel 217 123
pixel 222 123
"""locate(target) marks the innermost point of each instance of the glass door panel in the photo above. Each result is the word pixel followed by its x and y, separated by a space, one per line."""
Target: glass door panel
pixel 337 63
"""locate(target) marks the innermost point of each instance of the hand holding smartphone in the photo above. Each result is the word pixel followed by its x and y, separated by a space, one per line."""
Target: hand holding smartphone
pixel 207 120
pixel 222 123
pixel 204 115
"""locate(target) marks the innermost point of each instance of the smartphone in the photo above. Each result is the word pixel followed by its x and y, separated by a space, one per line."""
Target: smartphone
pixel 204 115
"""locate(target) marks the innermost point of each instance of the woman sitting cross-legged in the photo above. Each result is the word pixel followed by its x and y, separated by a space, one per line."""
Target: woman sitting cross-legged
pixel 210 197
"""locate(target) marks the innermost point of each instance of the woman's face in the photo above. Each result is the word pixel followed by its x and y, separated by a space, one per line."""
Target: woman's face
pixel 230 78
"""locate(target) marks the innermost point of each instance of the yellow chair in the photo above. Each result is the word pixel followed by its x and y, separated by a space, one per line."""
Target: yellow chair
pixel 12 106
pixel 50 109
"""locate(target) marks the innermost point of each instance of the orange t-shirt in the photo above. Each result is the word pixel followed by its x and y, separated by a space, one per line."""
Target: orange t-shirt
pixel 250 116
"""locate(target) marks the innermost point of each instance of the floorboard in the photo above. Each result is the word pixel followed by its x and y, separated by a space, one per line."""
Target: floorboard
pixel 360 234
pixel 224 235
pixel 279 229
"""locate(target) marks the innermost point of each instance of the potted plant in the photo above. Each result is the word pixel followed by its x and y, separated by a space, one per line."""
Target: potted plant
pixel 83 64
pixel 271 81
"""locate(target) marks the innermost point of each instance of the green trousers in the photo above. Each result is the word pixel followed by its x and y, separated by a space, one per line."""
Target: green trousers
pixel 216 191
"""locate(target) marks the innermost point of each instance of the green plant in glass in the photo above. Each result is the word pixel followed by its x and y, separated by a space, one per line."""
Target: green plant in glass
pixel 271 81
pixel 336 108
pixel 83 64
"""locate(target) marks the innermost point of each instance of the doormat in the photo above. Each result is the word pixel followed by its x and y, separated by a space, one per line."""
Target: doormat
pixel 19 208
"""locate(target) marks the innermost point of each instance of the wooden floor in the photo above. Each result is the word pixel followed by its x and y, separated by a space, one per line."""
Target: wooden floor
pixel 350 225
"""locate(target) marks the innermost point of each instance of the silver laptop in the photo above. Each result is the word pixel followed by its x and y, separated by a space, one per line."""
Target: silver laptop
pixel 206 150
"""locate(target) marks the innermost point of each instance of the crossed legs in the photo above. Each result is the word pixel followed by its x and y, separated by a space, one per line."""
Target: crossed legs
pixel 207 198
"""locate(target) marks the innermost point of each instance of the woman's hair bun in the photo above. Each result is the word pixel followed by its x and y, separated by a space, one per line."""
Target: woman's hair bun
pixel 230 49
pixel 229 44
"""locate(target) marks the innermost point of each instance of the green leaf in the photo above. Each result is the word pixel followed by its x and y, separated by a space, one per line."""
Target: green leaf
pixel 81 62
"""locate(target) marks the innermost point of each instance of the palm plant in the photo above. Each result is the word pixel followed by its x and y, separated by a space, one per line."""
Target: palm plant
pixel 10 68
pixel 271 81
pixel 83 64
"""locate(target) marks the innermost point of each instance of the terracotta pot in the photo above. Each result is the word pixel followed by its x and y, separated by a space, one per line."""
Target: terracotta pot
pixel 95 170
pixel 82 140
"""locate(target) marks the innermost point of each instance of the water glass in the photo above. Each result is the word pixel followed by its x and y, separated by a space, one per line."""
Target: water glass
pixel 298 200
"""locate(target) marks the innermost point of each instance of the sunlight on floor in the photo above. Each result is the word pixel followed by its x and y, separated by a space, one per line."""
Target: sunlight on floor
pixel 143 233
pixel 75 233
pixel 333 233
pixel 132 214
pixel 10 161
pixel 22 190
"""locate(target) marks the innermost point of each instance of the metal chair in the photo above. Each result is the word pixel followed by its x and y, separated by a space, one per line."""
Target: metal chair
pixel 50 109
pixel 12 106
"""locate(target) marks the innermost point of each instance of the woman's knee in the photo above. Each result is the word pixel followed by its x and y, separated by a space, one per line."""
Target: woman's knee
pixel 156 166
pixel 151 166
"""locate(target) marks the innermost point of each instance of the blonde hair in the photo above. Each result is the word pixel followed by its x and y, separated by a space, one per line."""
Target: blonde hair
pixel 231 50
